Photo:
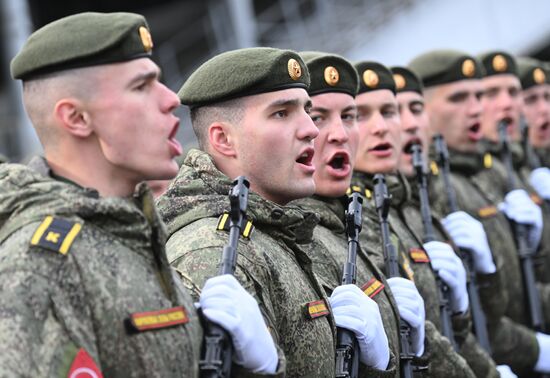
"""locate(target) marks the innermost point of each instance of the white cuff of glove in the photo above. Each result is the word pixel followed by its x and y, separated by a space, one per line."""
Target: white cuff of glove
pixel 449 267
pixel 506 372
pixel 540 180
pixel 411 310
pixel 354 310
pixel 543 362
pixel 225 302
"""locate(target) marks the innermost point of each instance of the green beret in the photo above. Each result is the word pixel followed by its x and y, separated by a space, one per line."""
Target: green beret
pixel 498 62
pixel 374 76
pixel 445 66
pixel 330 73
pixel 244 72
pixel 531 72
pixel 406 80
pixel 82 40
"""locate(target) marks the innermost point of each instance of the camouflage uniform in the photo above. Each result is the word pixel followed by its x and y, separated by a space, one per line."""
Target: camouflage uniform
pixel 444 361
pixel 544 156
pixel 330 234
pixel 53 304
pixel 505 309
pixel 273 265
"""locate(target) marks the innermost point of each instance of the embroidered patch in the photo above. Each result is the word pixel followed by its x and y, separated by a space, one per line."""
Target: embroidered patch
pixel 536 199
pixel 418 255
pixel 487 211
pixel 169 317
pixel 372 287
pixel 84 366
pixel 56 234
pixel 316 309
pixel 224 221
pixel 407 267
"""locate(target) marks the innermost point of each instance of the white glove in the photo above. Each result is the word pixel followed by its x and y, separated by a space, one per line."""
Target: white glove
pixel 354 310
pixel 225 302
pixel 468 233
pixel 449 267
pixel 411 310
pixel 521 209
pixel 506 372
pixel 540 180
pixel 543 363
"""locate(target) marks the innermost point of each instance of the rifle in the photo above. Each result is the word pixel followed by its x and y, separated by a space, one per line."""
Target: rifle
pixel 217 349
pixel 347 348
pixel 382 202
pixel 429 235
pixel 526 253
pixel 478 316
pixel 533 161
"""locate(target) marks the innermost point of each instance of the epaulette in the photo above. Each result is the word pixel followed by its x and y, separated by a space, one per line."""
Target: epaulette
pixel 246 228
pixel 56 234
pixel 359 189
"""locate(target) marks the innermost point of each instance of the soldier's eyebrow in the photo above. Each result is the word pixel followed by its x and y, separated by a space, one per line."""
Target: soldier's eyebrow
pixel 144 76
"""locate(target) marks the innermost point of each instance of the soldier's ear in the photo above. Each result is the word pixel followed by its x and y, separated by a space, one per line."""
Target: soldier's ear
pixel 72 116
pixel 222 139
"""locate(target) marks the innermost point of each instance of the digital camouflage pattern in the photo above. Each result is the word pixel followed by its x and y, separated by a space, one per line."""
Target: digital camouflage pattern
pixel 443 360
pixel 51 304
pixel 274 265
pixel 330 234
pixel 504 305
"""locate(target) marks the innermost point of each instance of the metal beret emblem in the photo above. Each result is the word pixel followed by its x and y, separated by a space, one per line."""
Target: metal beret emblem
pixel 539 76
pixel 294 69
pixel 331 76
pixel 371 78
pixel 400 81
pixel 146 38
pixel 499 63
pixel 468 68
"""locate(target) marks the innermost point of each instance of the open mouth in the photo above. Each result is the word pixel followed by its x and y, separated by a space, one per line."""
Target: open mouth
pixel 407 149
pixel 339 161
pixel 475 128
pixel 545 126
pixel 175 146
pixel 382 147
pixel 306 157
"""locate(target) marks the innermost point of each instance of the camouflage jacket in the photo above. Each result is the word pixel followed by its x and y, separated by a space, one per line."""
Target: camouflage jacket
pixel 330 233
pixel 443 360
pixel 77 272
pixel 274 262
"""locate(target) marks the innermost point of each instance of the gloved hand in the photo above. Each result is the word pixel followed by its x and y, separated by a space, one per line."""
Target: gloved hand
pixel 468 233
pixel 449 267
pixel 521 209
pixel 543 363
pixel 225 302
pixel 540 180
pixel 411 310
pixel 506 372
pixel 354 310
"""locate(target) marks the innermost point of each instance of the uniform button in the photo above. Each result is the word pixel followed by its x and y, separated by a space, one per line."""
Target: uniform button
pixel 277 214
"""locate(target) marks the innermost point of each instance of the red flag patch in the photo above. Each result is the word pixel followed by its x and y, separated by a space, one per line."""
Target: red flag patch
pixel 83 366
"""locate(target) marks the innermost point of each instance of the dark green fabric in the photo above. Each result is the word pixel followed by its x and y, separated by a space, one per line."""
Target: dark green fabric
pixel 330 73
pixel 438 67
pixel 498 63
pixel 81 40
pixel 374 76
pixel 241 73
pixel 406 80
pixel 531 72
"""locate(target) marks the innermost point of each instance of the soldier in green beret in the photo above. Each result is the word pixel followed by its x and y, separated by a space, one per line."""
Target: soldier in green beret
pixel 378 152
pixel 454 109
pixel 249 110
pixel 86 288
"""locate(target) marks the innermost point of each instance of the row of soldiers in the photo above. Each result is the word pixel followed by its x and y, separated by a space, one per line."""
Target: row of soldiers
pixel 96 279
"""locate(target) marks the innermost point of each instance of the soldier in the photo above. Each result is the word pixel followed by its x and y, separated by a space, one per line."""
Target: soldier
pixel 453 102
pixel 378 152
pixel 86 288
pixel 249 110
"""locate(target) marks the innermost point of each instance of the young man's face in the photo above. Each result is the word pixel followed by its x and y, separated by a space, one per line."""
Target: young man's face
pixel 536 109
pixel 274 145
pixel 335 115
pixel 414 128
pixel 132 117
pixel 379 141
pixel 454 110
pixel 501 101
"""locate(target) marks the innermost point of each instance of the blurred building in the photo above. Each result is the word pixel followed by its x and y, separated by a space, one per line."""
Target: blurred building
pixel 186 33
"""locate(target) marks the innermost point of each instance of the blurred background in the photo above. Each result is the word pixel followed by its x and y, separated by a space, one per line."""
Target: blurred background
pixel 186 33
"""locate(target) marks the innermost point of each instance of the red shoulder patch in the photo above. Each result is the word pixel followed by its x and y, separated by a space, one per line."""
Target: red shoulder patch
pixel 84 366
